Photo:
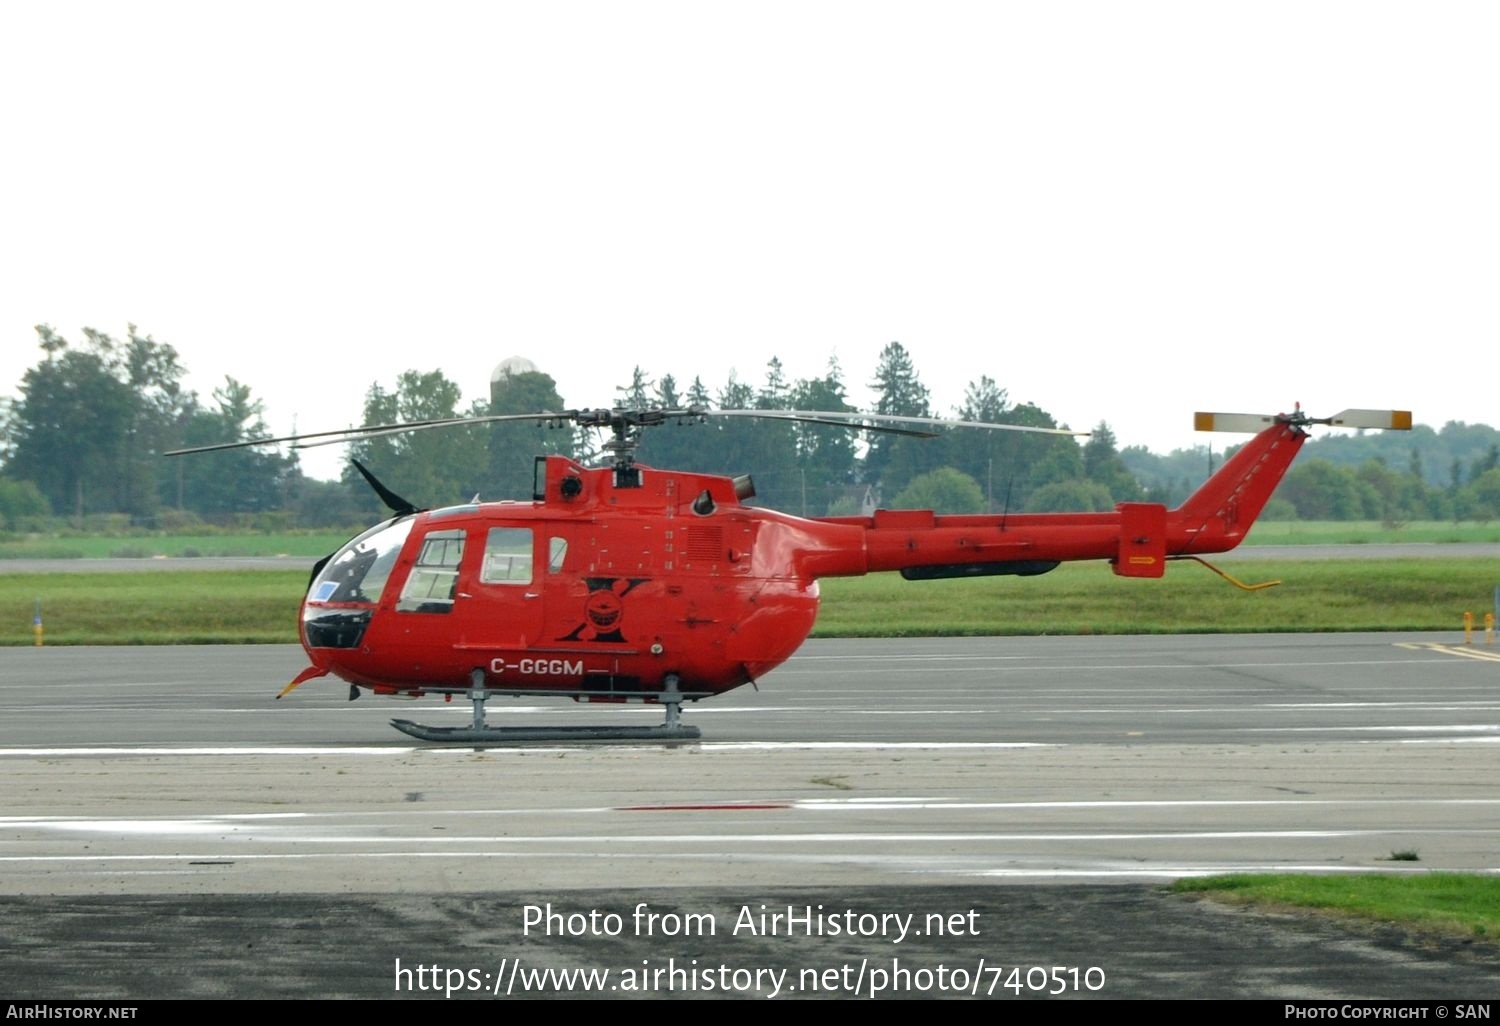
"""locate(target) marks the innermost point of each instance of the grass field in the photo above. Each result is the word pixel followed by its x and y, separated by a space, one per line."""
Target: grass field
pixel 1086 598
pixel 1451 904
pixel 1369 532
pixel 147 546
pixel 195 607
pixel 317 544
pixel 232 607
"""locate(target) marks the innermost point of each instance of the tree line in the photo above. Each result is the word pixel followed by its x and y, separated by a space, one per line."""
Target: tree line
pixel 83 437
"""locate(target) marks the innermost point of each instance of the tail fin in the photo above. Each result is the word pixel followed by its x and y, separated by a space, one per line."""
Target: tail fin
pixel 1218 515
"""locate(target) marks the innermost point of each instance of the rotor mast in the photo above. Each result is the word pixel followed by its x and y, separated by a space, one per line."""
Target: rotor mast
pixel 625 427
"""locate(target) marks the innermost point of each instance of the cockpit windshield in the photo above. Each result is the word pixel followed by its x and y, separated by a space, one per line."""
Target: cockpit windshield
pixel 357 573
pixel 345 592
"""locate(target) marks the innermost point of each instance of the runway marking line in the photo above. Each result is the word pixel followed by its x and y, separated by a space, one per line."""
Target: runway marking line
pixel 866 804
pixel 1467 651
pixel 720 807
pixel 523 749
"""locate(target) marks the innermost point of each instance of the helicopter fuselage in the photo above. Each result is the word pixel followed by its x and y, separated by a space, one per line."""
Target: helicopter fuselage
pixel 615 586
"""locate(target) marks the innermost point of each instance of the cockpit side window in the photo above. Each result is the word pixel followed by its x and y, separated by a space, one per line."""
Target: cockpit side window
pixel 433 580
pixel 507 556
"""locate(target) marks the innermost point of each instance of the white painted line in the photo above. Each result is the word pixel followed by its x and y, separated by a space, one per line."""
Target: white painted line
pixel 35 753
pixel 1124 665
pixel 1414 728
pixel 1492 704
pixel 615 841
pixel 940 804
pixel 758 746
pixel 1181 872
pixel 257 817
pixel 896 803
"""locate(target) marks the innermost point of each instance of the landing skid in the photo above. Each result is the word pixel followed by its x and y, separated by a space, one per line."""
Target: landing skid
pixel 672 730
pixel 505 734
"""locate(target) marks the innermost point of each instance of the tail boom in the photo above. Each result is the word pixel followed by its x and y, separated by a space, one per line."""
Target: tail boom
pixel 1137 538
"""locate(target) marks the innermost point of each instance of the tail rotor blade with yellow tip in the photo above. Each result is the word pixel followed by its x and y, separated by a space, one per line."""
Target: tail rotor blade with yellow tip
pixel 1251 423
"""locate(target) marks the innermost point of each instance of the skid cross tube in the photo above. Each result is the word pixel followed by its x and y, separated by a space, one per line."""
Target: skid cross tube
pixel 480 731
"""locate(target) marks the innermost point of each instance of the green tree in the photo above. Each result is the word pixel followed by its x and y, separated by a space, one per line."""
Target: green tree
pixel 900 393
pixel 636 395
pixel 91 420
pixel 1102 463
pixel 977 452
pixel 233 481
pixel 1171 478
pixel 826 456
pixel 1078 495
pixel 154 376
pixel 669 446
pixel 697 395
pixel 1323 491
pixel 1029 460
pixel 22 505
pixel 675 445
pixel 762 448
pixel 514 446
pixel 944 490
pixel 1480 500
pixel 984 401
pixel 328 504
pixel 779 478
pixel 1060 460
pixel 733 449
pixel 1484 464
pixel 429 468
pixel 6 422
pixel 1392 496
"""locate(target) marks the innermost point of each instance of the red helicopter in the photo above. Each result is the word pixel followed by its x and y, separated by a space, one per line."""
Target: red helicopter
pixel 629 583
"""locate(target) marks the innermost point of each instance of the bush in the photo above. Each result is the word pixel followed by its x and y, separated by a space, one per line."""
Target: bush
pixel 179 521
pixel 21 502
pixel 1279 509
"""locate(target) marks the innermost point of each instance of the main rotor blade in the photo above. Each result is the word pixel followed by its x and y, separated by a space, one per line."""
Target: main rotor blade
pixel 857 421
pixel 815 418
pixel 355 434
pixel 623 419
pixel 393 502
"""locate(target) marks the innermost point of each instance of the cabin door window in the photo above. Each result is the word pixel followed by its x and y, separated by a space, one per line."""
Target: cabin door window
pixel 433 581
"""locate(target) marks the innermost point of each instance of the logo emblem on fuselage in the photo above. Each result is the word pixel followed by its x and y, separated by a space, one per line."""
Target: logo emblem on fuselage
pixel 604 609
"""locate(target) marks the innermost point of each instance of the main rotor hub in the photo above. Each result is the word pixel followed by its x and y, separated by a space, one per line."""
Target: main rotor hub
pixel 625 427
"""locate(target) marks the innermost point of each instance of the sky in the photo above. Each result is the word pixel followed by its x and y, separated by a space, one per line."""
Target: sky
pixel 1122 212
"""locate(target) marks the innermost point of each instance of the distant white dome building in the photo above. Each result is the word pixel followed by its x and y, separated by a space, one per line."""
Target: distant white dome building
pixel 507 368
pixel 512 365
